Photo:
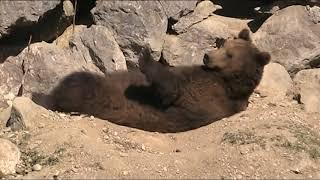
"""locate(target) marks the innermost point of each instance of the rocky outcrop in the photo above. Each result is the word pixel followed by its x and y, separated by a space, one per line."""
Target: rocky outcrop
pixel 179 33
pixel 307 89
pixel 292 37
pixel 134 24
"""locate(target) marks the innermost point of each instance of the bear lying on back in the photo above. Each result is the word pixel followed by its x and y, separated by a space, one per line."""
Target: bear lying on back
pixel 168 99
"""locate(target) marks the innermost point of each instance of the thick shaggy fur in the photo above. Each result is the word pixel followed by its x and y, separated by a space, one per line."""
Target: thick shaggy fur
pixel 168 99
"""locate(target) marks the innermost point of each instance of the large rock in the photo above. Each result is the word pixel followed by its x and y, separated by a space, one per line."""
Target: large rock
pixel 134 23
pixel 41 20
pixel 307 88
pixel 46 64
pixel 4 116
pixel 275 83
pixel 20 19
pixel 22 13
pixel 24 114
pixel 203 10
pixel 103 49
pixel 90 49
pixel 280 4
pixel 179 8
pixel 189 47
pixel 292 37
pixel 10 80
pixel 9 157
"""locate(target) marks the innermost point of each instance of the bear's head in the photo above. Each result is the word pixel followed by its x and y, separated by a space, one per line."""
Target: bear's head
pixel 240 63
pixel 238 55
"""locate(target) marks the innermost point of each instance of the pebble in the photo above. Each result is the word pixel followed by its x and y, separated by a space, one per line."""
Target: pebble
pixel 36 167
pixel 74 169
pixel 125 173
pixel 124 154
pixel 19 170
pixel 91 118
pixel 41 125
pixel 143 147
pixel 239 176
pixel 296 171
pixel 105 130
pixel 165 169
pixel 8 129
pixel 9 96
pixel 106 137
pixel 83 131
pixel 62 115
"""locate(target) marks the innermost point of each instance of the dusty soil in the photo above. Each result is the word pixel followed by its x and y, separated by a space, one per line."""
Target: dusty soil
pixel 271 139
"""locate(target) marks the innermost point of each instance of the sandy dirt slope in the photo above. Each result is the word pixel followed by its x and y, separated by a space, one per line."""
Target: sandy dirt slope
pixel 268 140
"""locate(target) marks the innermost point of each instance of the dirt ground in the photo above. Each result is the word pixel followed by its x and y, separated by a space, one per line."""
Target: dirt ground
pixel 271 139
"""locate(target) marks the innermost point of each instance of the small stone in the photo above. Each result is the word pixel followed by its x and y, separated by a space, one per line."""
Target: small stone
pixel 165 169
pixel 115 133
pixel 8 129
pixel 74 170
pixel 55 177
pixel 239 176
pixel 62 115
pixel 143 147
pixel 36 167
pixel 91 118
pixel 9 102
pixel 296 171
pixel 177 150
pixel 125 173
pixel 105 130
pixel 19 170
pixel 124 154
pixel 41 125
pixel 9 96
pixel 83 131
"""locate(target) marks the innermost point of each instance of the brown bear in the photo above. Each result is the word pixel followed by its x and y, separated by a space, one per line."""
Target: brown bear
pixel 169 99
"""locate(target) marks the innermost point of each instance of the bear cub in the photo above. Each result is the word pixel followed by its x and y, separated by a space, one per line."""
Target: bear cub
pixel 169 99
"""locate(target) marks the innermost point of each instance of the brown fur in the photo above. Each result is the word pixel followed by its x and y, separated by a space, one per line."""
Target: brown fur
pixel 169 99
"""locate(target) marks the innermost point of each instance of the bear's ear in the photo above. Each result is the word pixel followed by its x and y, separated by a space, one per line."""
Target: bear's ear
pixel 263 58
pixel 244 34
